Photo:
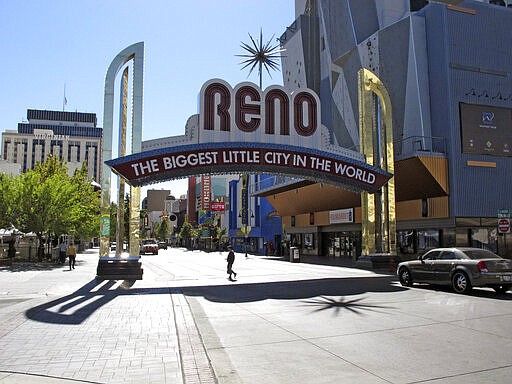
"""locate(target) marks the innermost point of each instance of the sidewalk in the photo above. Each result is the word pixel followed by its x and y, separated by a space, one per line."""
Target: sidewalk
pixel 279 323
pixel 60 326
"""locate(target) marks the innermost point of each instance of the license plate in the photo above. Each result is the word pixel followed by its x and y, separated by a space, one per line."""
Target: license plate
pixel 506 278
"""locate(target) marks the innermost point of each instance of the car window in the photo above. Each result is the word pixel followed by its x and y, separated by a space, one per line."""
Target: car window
pixel 432 255
pixel 477 254
pixel 448 255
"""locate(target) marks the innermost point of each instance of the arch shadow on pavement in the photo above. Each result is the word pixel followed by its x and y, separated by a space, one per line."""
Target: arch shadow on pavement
pixel 76 307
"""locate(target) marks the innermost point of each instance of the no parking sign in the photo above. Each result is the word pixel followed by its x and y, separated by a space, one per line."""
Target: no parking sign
pixel 503 225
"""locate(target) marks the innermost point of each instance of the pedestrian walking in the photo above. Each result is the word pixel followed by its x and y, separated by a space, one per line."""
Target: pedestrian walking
pixel 62 252
pixel 72 255
pixel 231 260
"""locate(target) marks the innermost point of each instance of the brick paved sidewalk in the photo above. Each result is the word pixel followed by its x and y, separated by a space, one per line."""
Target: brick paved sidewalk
pixel 101 332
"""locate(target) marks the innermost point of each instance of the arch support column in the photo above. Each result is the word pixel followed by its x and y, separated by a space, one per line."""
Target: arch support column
pixel 376 143
pixel 134 53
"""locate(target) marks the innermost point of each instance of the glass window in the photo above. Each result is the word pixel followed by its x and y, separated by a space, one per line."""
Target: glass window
pixel 433 255
pixel 448 255
pixel 428 239
pixel 406 241
pixel 476 254
pixel 485 238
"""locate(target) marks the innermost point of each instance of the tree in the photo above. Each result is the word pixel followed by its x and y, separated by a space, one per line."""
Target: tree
pixel 163 230
pixel 113 220
pixel 126 219
pixel 186 233
pixel 8 198
pixel 85 206
pixel 49 203
pixel 47 198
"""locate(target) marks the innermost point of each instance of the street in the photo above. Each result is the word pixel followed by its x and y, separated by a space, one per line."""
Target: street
pixel 280 322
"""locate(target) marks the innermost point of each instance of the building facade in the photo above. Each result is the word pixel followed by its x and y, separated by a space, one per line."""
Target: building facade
pixel 256 213
pixel 155 205
pixel 208 203
pixel 72 137
pixel 448 71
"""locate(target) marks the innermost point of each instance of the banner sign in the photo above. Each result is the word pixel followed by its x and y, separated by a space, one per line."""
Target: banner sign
pixel 217 206
pixel 185 161
pixel 205 217
pixel 247 130
pixel 341 216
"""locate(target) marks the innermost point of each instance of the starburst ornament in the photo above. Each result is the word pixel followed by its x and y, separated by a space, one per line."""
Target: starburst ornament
pixel 261 55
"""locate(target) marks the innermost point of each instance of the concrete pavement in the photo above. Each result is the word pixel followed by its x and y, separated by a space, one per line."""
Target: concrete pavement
pixel 280 322
pixel 60 324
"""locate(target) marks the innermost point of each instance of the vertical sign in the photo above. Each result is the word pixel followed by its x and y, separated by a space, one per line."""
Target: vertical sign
pixel 205 192
pixel 244 200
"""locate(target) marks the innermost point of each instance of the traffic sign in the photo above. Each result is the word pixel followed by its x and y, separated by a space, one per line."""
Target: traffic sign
pixel 504 225
pixel 503 214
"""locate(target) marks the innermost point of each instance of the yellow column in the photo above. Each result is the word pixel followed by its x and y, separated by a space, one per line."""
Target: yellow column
pixel 370 142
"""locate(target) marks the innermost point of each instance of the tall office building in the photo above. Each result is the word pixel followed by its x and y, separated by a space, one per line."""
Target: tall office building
pixel 73 137
pixel 447 67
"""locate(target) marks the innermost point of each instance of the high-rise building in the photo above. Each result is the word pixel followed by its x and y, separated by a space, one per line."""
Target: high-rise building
pixel 447 67
pixel 72 137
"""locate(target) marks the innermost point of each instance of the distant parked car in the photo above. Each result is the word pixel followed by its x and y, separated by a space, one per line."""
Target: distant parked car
pixel 149 246
pixel 113 246
pixel 162 244
pixel 460 268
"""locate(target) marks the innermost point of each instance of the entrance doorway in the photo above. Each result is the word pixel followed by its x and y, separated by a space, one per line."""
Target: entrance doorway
pixel 342 244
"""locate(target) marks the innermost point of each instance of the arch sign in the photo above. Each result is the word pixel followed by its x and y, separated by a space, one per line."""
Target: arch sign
pixel 245 129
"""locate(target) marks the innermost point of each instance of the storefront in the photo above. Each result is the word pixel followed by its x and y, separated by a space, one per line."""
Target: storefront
pixel 345 244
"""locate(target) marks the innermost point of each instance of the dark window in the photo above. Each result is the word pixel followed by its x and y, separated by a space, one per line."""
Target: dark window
pixel 433 255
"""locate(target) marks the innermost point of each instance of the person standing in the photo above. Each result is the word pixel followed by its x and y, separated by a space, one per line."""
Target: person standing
pixel 72 255
pixel 231 260
pixel 11 253
pixel 62 252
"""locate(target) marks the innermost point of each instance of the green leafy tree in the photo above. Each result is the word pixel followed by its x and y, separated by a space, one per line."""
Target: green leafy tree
pixel 126 215
pixel 186 233
pixel 46 197
pixel 222 232
pixel 163 230
pixel 8 199
pixel 113 220
pixel 49 203
pixel 85 206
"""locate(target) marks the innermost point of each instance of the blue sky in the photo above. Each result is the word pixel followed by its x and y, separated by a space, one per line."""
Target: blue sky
pixel 47 45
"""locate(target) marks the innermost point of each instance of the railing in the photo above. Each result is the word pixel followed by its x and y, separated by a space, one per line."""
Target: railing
pixel 419 145
pixel 272 182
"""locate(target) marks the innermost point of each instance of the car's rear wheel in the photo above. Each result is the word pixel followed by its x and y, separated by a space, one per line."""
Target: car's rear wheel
pixel 502 288
pixel 405 277
pixel 460 282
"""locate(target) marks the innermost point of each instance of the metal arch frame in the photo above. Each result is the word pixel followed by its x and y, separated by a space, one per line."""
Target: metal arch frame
pixel 134 52
pixel 378 211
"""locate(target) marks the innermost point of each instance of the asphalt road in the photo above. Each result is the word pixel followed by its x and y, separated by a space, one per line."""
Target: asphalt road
pixel 284 322
pixel 280 322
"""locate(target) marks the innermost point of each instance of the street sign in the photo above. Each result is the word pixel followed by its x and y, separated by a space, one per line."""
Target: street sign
pixel 503 225
pixel 503 214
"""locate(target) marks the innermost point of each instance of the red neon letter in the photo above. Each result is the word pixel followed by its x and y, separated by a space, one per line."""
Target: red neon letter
pixel 298 101
pixel 242 109
pixel 222 107
pixel 270 112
